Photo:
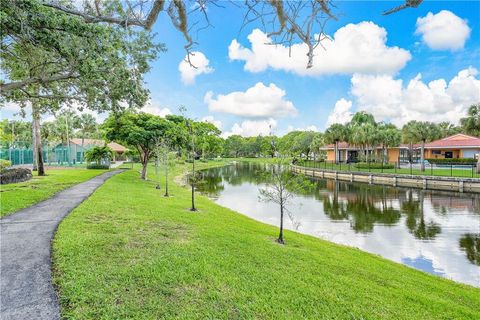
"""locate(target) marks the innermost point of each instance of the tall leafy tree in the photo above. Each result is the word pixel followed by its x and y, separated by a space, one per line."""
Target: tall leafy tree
pixel 302 144
pixel 233 146
pixel 287 143
pixel 52 58
pixel 141 131
pixel 471 123
pixel 318 142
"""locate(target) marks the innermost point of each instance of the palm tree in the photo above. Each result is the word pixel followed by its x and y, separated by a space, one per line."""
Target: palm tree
pixel 362 132
pixel 421 131
pixel 471 123
pixel 334 134
pixel 448 129
pixel 388 136
pixel 87 125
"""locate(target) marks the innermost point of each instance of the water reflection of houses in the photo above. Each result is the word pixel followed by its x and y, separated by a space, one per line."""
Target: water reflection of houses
pixel 442 202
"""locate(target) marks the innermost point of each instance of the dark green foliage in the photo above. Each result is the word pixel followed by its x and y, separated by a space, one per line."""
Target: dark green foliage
pixel 98 166
pixel 373 165
pixel 15 175
pixel 471 123
pixel 453 161
pixel 98 154
pixel 4 164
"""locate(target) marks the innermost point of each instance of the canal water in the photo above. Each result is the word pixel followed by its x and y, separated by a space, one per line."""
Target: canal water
pixel 436 232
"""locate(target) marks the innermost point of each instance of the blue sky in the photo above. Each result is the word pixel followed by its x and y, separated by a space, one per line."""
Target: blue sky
pixel 314 97
pixel 275 91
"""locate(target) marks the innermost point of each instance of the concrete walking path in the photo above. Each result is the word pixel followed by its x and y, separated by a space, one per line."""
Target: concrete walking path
pixel 26 290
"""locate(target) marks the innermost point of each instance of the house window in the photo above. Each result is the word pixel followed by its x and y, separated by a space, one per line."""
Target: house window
pixel 436 152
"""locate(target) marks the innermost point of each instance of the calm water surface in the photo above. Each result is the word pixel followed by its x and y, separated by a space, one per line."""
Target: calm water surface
pixel 436 232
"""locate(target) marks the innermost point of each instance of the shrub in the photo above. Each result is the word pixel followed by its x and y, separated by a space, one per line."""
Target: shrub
pixel 98 154
pixel 98 166
pixel 204 160
pixel 15 175
pixel 373 165
pixel 4 164
pixel 453 161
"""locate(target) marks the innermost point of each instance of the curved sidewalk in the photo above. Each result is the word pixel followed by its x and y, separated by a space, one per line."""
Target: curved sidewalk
pixel 26 290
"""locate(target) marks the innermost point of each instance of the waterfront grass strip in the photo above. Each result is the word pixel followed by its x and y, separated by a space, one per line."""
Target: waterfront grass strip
pixel 467 172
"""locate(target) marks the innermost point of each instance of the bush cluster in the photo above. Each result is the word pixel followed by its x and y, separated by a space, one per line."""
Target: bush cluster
pixel 373 165
pixel 453 161
pixel 4 164
pixel 15 175
pixel 98 166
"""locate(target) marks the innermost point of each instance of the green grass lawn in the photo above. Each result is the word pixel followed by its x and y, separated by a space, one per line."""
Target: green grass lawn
pixel 129 253
pixel 17 196
pixel 441 172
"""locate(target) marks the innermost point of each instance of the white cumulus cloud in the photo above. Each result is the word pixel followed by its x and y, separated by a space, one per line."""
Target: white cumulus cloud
pixel 307 128
pixel 341 113
pixel 212 120
pixel 443 31
pixel 438 100
pixel 353 48
pixel 252 128
pixel 152 107
pixel 259 101
pixel 200 65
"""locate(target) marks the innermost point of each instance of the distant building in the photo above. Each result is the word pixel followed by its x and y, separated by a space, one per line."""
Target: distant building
pixel 456 146
pixel 78 148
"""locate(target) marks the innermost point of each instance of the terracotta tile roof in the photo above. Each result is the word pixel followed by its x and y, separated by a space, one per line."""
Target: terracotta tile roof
pixel 116 147
pixel 457 140
pixel 94 142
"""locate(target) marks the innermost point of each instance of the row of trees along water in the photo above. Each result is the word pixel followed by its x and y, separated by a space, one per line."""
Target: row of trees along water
pixel 362 131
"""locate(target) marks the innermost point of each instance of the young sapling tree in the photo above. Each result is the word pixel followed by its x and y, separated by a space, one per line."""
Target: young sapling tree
pixel 281 187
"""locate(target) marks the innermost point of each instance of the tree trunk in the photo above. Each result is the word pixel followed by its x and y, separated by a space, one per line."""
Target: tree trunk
pixel 193 184
pixel 280 236
pixel 144 170
pixel 34 146
pixel 478 164
pixel 422 156
pixel 410 152
pixel 166 180
pixel 37 152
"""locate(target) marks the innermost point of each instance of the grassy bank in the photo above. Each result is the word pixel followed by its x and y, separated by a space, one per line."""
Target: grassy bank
pixel 17 196
pixel 129 253
pixel 429 170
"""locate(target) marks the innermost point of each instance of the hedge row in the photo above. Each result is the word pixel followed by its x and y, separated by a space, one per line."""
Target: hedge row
pixel 15 175
pixel 453 161
pixel 98 166
pixel 373 165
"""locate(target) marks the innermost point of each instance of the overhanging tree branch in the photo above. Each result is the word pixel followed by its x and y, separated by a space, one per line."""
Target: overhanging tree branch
pixel 125 22
pixel 6 87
